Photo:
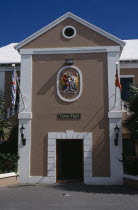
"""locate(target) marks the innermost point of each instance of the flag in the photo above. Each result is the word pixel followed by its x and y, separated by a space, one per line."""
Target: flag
pixel 14 77
pixel 117 81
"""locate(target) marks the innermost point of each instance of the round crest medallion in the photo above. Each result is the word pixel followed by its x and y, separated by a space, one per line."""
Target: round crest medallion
pixel 69 83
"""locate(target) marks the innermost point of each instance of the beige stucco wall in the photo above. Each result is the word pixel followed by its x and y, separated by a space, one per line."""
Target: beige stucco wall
pixel 93 106
pixel 85 37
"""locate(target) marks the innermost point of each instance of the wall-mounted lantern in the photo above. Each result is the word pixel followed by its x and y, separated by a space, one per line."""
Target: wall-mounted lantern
pixel 69 61
pixel 22 135
pixel 116 129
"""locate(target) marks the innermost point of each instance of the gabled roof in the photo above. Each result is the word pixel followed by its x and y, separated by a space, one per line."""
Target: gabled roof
pixel 130 51
pixel 76 18
pixel 8 55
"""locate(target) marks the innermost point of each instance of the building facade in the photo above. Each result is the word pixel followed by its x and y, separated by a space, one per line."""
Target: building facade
pixel 70 105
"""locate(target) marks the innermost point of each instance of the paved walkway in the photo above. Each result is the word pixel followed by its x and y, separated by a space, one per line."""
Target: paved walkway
pixel 67 197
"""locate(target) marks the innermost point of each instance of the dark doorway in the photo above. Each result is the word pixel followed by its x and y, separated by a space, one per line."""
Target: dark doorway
pixel 69 160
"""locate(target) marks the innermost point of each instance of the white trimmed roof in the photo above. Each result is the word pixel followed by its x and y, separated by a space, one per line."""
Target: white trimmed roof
pixel 9 55
pixel 130 51
pixel 76 18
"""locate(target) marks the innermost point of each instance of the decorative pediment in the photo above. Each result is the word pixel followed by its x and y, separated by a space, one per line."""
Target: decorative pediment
pixel 54 35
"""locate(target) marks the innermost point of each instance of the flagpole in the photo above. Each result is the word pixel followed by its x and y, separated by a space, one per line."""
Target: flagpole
pixel 115 94
pixel 117 83
pixel 18 85
pixel 20 91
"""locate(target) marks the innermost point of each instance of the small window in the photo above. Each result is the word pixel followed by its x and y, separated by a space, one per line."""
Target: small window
pixel 125 82
pixel 69 32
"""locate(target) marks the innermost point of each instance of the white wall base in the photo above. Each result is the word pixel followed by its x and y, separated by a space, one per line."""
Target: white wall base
pixel 104 181
pixel 88 181
pixel 41 179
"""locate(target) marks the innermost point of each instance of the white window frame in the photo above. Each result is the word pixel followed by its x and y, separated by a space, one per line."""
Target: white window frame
pixel 127 76
pixel 69 37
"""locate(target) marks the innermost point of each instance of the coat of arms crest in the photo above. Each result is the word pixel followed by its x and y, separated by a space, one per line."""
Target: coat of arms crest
pixel 69 82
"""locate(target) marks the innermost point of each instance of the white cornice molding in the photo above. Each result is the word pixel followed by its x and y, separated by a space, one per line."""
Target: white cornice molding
pixel 115 114
pixel 70 50
pixel 25 115
pixel 129 65
pixel 76 18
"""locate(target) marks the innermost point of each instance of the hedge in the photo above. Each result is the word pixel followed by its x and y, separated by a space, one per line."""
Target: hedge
pixel 8 162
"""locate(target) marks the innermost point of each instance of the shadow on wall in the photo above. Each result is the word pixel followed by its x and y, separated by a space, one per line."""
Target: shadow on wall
pixel 97 123
pixel 48 85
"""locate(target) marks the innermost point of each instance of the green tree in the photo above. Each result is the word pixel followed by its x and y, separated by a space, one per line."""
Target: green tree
pixel 5 124
pixel 130 162
pixel 132 121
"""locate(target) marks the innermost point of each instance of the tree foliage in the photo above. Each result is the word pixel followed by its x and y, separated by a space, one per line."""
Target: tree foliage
pixel 8 162
pixel 5 124
pixel 132 121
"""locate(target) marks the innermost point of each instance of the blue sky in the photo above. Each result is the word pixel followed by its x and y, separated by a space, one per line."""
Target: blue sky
pixel 19 19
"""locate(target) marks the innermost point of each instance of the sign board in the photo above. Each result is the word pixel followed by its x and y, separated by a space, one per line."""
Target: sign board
pixel 69 116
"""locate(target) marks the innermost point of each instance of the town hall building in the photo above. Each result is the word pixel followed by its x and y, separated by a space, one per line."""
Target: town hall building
pixel 69 104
